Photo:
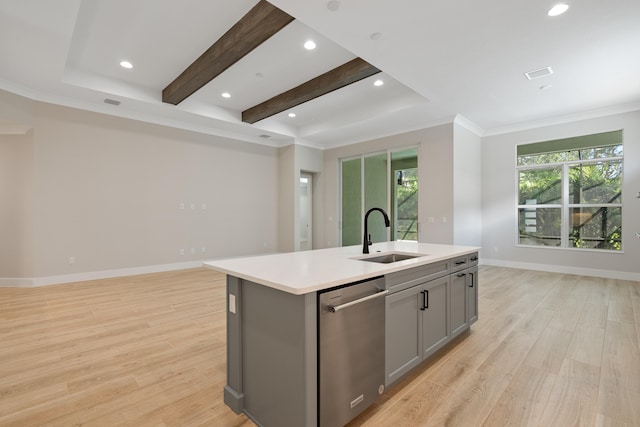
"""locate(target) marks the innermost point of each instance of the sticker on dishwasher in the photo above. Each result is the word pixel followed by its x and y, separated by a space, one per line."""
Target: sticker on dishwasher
pixel 357 400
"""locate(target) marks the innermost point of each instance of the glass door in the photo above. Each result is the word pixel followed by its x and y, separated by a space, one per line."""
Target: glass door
pixel 386 180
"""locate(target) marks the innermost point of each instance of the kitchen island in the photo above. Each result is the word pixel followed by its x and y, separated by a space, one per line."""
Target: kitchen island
pixel 274 372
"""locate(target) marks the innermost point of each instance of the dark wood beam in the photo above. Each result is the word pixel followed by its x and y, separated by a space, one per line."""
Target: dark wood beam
pixel 351 72
pixel 260 23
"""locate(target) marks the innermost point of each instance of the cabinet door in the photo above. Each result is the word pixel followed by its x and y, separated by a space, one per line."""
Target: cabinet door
pixel 435 315
pixel 472 294
pixel 459 312
pixel 402 331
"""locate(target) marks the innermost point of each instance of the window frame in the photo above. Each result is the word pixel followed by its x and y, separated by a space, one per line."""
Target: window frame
pixel 565 206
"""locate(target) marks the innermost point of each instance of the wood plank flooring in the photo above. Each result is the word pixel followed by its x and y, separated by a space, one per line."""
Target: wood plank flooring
pixel 549 350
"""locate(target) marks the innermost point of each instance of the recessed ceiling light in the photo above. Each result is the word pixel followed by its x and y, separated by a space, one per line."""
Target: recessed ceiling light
pixel 333 5
pixel 378 83
pixel 375 36
pixel 558 9
pixel 126 64
pixel 292 115
pixel 260 75
pixel 225 95
pixel 309 45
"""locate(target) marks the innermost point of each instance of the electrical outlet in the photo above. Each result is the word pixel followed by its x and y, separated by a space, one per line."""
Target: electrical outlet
pixel 181 251
pixel 72 260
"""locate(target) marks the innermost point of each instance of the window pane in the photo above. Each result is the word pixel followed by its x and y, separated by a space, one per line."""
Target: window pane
pixel 540 186
pixel 601 152
pixel 596 183
pixel 406 203
pixel 543 158
pixel 596 228
pixel 539 226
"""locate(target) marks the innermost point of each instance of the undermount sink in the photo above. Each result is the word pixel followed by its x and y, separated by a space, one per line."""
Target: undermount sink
pixel 390 257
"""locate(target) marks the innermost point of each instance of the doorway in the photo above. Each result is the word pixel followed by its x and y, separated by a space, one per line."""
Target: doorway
pixel 306 211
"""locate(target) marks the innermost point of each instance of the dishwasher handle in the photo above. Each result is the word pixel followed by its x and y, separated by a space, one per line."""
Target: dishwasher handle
pixel 335 308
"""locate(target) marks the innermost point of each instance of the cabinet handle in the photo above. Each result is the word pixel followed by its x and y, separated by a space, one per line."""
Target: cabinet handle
pixel 472 280
pixel 460 262
pixel 425 300
pixel 475 258
pixel 462 274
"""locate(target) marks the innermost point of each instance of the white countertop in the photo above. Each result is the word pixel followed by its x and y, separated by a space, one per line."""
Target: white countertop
pixel 310 271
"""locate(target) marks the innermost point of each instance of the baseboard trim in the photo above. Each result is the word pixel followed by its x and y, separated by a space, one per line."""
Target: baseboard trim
pixel 580 271
pixel 95 275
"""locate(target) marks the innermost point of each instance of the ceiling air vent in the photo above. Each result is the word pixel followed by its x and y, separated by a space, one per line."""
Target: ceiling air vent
pixel 536 74
pixel 111 101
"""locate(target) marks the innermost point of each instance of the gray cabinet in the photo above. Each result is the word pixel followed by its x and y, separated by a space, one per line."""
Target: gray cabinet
pixel 435 315
pixel 403 349
pixel 459 300
pixel 417 316
pixel 416 325
pixel 464 293
pixel 426 307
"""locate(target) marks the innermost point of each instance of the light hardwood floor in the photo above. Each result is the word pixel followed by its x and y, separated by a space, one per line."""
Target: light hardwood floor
pixel 548 350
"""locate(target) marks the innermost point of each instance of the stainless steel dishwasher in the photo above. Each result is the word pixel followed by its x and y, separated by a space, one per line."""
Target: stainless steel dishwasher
pixel 350 350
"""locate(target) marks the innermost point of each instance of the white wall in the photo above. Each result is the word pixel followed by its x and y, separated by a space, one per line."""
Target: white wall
pixel 16 206
pixel 499 197
pixel 107 191
pixel 467 187
pixel 287 184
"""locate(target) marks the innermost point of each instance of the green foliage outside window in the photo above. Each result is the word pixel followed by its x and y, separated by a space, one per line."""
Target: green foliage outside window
pixel 591 204
pixel 407 199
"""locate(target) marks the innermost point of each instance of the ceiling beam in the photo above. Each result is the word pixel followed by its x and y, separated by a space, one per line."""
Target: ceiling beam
pixel 351 72
pixel 260 23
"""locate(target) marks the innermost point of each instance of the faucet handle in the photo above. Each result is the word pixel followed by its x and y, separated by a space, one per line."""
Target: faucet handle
pixel 369 240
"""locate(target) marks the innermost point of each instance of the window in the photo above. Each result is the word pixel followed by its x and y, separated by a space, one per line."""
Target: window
pixel 570 192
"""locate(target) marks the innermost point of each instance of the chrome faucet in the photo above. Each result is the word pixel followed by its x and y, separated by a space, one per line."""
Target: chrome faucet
pixel 366 241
